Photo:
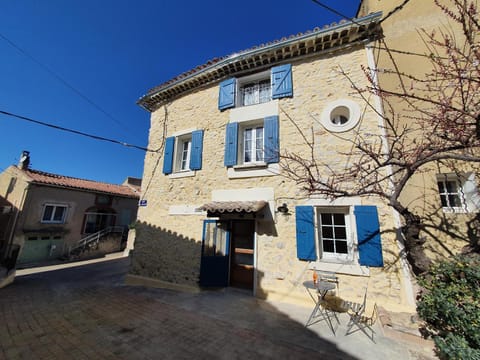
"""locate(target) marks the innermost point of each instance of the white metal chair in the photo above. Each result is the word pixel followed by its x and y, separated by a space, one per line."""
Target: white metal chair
pixel 359 321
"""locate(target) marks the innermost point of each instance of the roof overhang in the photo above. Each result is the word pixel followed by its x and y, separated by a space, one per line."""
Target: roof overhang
pixel 230 207
pixel 305 44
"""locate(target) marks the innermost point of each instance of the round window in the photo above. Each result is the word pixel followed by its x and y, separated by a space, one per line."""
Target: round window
pixel 340 115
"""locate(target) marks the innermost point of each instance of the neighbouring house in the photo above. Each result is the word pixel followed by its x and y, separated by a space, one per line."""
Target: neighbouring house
pixel 444 194
pixel 50 216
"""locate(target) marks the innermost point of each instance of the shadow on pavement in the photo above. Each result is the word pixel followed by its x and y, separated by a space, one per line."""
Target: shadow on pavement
pixel 88 311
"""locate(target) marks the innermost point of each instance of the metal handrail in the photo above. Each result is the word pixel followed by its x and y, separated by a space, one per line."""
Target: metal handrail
pixel 95 237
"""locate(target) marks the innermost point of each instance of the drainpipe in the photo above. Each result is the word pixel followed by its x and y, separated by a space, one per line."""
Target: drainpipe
pixel 409 293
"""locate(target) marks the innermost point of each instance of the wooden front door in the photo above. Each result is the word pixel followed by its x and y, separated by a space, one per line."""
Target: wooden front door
pixel 242 254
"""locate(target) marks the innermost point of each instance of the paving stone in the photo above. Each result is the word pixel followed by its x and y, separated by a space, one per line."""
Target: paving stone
pixel 88 313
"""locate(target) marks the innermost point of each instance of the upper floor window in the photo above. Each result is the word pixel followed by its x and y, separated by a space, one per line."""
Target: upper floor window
pixel 183 153
pixel 184 149
pixel 103 200
pixel 252 142
pixel 458 192
pixel 256 89
pixel 257 92
pixel 54 213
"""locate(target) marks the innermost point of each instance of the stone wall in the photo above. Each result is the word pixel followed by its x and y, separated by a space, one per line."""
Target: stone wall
pixel 167 245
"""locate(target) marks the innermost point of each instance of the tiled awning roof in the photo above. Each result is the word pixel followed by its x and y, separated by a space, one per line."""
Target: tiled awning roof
pixel 233 206
pixel 336 36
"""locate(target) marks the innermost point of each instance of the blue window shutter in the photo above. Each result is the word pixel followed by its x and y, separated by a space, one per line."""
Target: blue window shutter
pixel 196 151
pixel 226 95
pixel 305 233
pixel 231 140
pixel 168 155
pixel 281 78
pixel 272 148
pixel 368 234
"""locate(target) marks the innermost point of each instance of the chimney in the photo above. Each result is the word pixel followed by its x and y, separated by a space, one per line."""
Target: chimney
pixel 24 160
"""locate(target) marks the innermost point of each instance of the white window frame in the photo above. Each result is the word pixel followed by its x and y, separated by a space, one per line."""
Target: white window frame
pixel 254 128
pixel 51 220
pixel 182 158
pixel 353 266
pixel 255 81
pixel 352 254
pixel 466 191
pixel 180 138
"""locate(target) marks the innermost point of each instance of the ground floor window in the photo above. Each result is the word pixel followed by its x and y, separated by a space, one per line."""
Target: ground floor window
pixel 334 236
pixel 98 219
pixel 340 234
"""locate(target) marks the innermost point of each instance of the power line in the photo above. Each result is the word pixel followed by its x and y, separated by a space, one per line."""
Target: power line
pixel 336 12
pixel 96 137
pixel 62 80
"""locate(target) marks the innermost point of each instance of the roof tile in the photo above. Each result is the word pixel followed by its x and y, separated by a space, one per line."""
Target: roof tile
pixel 40 177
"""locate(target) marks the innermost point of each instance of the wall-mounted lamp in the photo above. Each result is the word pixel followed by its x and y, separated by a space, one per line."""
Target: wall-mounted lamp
pixel 283 209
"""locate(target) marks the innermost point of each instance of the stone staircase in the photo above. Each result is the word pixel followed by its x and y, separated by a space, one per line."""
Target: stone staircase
pixel 90 245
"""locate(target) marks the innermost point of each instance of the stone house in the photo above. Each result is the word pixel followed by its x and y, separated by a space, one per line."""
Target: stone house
pixel 218 209
pixel 50 215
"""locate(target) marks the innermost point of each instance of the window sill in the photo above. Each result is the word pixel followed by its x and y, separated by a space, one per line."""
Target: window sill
pixel 182 174
pixel 251 166
pixel 455 210
pixel 349 268
pixel 253 170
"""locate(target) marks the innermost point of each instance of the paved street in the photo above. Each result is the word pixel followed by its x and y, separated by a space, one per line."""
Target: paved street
pixel 88 313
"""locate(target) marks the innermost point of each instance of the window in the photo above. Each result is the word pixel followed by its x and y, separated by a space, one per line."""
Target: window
pixel 103 200
pixel 340 115
pixel 334 240
pixel 450 194
pixel 334 234
pixel 183 153
pixel 184 146
pixel 256 92
pixel 458 192
pixel 256 89
pixel 253 144
pixel 54 213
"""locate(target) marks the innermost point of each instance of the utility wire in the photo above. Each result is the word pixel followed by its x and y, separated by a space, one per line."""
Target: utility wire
pixel 96 137
pixel 335 11
pixel 62 80
pixel 399 7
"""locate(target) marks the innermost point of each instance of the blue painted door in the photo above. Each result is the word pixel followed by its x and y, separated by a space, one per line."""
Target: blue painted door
pixel 214 265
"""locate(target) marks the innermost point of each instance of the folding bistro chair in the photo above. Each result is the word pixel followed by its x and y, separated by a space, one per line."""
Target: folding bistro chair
pixel 328 276
pixel 358 320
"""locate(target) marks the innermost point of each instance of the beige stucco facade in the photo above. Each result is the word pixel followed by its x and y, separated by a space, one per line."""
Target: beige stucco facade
pixel 168 240
pixel 50 240
pixel 405 34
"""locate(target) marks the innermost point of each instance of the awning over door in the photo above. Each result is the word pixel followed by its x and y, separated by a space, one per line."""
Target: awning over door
pixel 233 206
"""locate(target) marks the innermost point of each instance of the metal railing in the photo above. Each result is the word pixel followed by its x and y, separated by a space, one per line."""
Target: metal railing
pixel 95 237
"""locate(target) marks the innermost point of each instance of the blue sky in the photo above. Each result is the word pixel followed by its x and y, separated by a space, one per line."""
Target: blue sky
pixel 112 52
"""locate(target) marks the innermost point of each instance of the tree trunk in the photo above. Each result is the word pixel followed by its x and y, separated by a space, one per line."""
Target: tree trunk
pixel 419 262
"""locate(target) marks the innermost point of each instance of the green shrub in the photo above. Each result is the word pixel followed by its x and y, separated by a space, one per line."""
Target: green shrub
pixel 450 306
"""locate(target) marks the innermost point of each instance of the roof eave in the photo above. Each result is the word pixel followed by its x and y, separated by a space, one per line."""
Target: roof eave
pixel 236 63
